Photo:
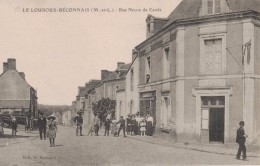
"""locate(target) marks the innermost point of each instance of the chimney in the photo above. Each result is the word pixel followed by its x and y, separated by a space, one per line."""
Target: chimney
pixel 134 54
pixel 22 74
pixel 5 66
pixel 11 63
pixel 104 74
pixel 120 64
pixel 87 84
pixel 80 89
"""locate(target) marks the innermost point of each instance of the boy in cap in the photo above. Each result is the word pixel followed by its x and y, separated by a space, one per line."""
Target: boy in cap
pixel 121 126
pixel 241 139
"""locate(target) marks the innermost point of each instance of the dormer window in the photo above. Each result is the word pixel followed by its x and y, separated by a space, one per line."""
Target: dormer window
pixel 213 6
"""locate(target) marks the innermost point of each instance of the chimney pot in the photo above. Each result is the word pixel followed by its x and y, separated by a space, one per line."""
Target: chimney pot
pixel 104 74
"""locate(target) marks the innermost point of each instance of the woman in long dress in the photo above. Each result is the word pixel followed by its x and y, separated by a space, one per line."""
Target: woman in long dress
pixel 51 130
pixel 149 125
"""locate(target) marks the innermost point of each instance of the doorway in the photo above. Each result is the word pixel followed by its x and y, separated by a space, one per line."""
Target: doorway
pixel 213 118
pixel 216 125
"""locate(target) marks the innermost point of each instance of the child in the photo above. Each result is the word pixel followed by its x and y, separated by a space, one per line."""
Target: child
pixel 142 127
pixel 13 125
pixel 114 128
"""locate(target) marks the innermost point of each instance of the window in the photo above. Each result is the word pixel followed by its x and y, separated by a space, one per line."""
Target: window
pixel 82 103
pixel 166 65
pixel 148 69
pixel 213 6
pixel 148 28
pixel 120 109
pixel 131 106
pixel 89 101
pixel 208 101
pixel 132 79
pixel 213 57
pixel 114 92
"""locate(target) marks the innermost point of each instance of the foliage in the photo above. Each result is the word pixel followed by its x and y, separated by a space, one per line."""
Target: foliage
pixel 50 109
pixel 103 106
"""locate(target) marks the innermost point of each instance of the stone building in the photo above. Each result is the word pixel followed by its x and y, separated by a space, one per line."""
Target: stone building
pixel 82 99
pixel 131 87
pixel 191 76
pixel 16 95
pixel 111 81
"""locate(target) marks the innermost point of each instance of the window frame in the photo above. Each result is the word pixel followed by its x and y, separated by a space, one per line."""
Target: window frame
pixel 221 36
pixel 132 79
pixel 148 66
pixel 215 8
pixel 166 63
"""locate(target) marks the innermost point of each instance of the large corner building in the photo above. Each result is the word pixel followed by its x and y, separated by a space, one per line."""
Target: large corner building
pixel 199 70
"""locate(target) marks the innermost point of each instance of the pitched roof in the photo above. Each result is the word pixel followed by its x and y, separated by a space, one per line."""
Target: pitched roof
pixel 83 93
pixel 120 70
pixel 14 103
pixel 191 8
pixel 186 9
pixel 124 67
pixel 243 5
pixel 13 86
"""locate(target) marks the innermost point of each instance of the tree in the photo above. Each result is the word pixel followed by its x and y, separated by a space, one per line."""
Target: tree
pixel 103 106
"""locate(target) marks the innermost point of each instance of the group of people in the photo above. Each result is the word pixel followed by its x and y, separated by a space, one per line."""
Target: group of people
pixel 138 124
pixel 135 124
pixel 47 128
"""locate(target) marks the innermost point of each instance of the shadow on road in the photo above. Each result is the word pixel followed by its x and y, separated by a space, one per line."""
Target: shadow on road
pixel 58 145
pixel 14 136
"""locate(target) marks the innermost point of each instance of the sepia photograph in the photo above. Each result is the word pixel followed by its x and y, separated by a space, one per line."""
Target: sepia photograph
pixel 129 82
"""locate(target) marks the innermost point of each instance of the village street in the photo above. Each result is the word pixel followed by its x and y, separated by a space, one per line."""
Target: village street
pixel 28 149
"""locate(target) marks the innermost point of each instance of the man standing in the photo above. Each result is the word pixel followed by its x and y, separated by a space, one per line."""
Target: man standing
pixel 42 125
pixel 121 126
pixel 107 127
pixel 79 123
pixel 96 123
pixel 241 139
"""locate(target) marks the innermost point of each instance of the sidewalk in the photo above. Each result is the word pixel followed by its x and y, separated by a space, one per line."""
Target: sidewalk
pixel 8 139
pixel 166 141
pixel 208 148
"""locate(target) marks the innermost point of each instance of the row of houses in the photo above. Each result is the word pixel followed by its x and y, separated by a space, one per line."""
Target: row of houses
pixel 197 73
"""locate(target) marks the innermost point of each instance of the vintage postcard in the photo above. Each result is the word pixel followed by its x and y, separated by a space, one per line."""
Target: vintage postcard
pixel 129 82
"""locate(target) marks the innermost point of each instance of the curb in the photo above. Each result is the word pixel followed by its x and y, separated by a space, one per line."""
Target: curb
pixel 190 148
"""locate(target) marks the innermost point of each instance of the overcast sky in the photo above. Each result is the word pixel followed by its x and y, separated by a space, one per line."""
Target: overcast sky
pixel 59 51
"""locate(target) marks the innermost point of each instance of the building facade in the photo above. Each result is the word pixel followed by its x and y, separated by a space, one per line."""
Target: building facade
pixel 16 95
pixel 199 70
pixel 131 87
pixel 111 81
